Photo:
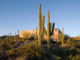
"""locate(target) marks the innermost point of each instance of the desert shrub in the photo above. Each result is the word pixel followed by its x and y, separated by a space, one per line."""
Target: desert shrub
pixel 61 52
pixel 77 57
pixel 7 44
pixel 35 37
pixel 64 53
pixel 69 41
pixel 21 58
pixel 10 52
pixel 16 38
pixel 76 44
pixel 73 42
pixel 58 58
pixel 73 51
pixel 60 37
pixel 30 50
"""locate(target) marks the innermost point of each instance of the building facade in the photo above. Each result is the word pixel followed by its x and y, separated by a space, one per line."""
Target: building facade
pixel 35 32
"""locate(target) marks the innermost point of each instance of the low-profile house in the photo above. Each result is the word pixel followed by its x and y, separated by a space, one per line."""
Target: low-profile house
pixel 35 32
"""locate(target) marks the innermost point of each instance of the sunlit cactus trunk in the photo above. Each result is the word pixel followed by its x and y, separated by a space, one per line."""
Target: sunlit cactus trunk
pixel 58 35
pixel 39 35
pixel 43 18
pixel 62 37
pixel 48 30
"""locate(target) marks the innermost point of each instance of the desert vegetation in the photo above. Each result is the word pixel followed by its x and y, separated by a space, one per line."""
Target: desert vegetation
pixel 38 47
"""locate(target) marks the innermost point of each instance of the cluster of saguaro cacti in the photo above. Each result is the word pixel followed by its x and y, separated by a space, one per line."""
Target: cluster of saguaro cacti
pixel 50 28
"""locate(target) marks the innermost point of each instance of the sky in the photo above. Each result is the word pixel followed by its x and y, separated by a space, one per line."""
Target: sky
pixel 23 15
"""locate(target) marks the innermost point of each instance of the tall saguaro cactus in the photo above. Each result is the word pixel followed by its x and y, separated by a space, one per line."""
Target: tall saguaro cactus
pixel 39 36
pixel 48 30
pixel 62 37
pixel 43 18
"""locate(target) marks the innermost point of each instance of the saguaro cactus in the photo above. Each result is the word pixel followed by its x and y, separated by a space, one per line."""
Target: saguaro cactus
pixel 50 24
pixel 43 17
pixel 58 35
pixel 62 37
pixel 53 28
pixel 48 30
pixel 39 36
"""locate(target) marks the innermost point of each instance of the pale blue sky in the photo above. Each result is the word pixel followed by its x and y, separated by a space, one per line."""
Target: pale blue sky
pixel 23 15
